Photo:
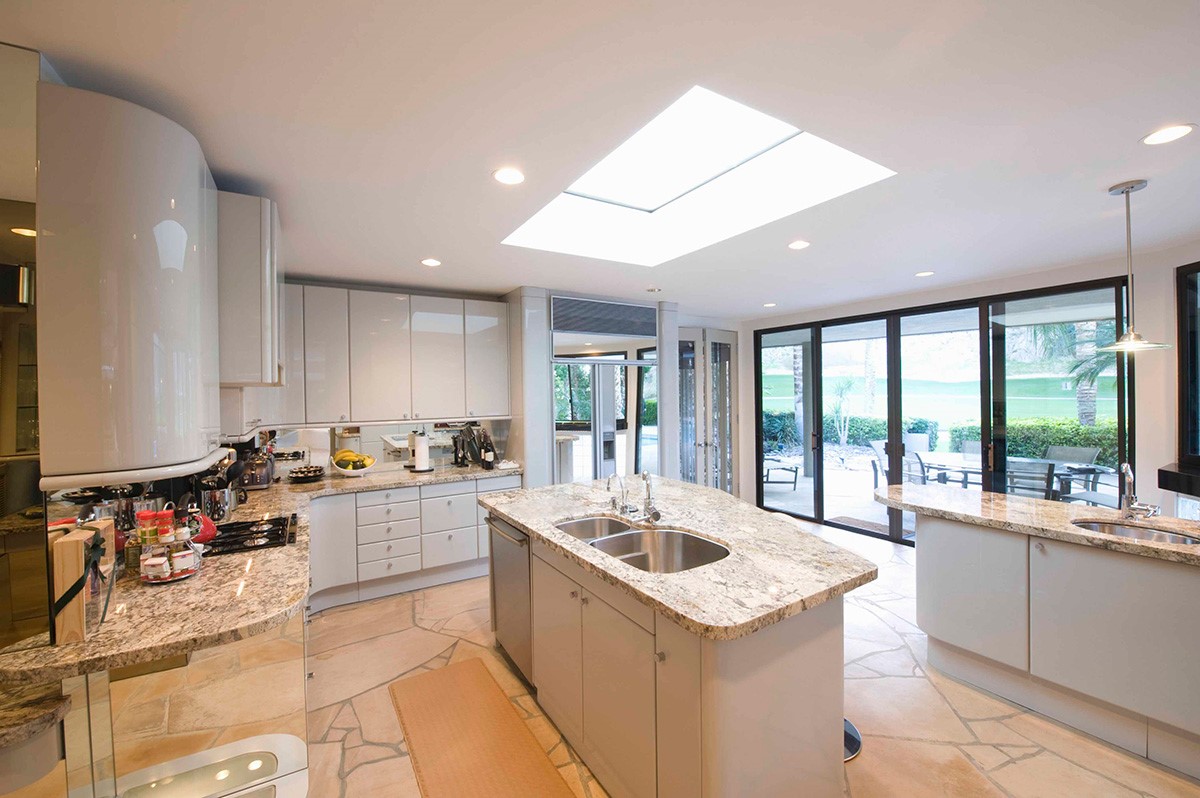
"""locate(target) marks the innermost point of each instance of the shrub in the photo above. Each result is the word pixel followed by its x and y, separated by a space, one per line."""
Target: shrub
pixel 779 430
pixel 650 412
pixel 1029 437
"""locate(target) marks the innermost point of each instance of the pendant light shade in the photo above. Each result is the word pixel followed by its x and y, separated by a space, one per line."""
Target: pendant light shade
pixel 1132 341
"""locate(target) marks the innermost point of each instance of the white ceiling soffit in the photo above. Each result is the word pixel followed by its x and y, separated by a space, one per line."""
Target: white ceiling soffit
pixel 704 170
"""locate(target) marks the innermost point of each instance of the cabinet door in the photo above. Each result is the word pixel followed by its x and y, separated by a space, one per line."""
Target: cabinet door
pixel 326 355
pixel 618 700
pixel 438 359
pixel 333 542
pixel 291 406
pixel 249 290
pixel 486 326
pixel 380 382
pixel 558 648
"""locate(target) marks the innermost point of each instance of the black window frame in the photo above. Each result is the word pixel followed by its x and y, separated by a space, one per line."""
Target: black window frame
pixel 1187 323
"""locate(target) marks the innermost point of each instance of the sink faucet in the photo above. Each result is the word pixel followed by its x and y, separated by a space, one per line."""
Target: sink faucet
pixel 1134 508
pixel 623 507
pixel 651 512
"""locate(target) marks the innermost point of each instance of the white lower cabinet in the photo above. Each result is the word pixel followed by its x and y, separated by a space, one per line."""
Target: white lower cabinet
pixel 558 647
pixel 333 539
pixel 447 548
pixel 595 673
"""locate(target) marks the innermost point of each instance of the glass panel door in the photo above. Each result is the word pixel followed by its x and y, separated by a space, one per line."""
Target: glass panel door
pixel 1057 429
pixel 788 437
pixel 707 406
pixel 940 401
pixel 689 443
pixel 855 422
pixel 646 430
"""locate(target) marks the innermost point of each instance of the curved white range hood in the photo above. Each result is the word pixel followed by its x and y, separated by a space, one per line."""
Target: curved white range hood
pixel 127 284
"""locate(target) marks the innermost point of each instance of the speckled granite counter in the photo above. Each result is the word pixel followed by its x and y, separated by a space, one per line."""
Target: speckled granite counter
pixel 774 569
pixel 28 711
pixel 1037 517
pixel 233 597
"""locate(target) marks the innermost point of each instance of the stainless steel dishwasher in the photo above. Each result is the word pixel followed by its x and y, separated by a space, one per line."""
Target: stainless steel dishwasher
pixel 511 615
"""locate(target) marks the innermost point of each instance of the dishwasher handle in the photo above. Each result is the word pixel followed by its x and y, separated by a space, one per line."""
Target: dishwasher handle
pixel 495 528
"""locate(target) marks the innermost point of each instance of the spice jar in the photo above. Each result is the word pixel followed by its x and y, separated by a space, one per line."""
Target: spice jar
pixel 147 527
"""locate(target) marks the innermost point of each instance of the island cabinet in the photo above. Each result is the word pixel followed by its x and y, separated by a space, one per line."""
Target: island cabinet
pixel 331 553
pixel 657 711
pixel 594 669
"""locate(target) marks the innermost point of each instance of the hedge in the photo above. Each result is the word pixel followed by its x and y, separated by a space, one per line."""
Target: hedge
pixel 779 429
pixel 650 412
pixel 1029 437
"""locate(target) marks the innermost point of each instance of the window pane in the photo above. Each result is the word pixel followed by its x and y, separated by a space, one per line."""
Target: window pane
pixel 787 408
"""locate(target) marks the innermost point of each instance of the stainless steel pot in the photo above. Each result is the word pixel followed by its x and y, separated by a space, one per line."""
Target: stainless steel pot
pixel 219 503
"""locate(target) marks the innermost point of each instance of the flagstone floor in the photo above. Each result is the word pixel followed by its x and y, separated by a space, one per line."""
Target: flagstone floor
pixel 924 734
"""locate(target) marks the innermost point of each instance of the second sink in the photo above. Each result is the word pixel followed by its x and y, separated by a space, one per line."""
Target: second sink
pixel 1136 532
pixel 661 551
pixel 595 527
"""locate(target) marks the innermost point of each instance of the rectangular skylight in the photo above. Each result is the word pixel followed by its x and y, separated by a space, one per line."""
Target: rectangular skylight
pixel 704 170
pixel 700 136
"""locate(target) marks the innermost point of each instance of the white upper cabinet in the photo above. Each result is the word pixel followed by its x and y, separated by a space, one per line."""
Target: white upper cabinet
pixel 326 355
pixel 127 280
pixel 251 291
pixel 438 358
pixel 380 378
pixel 292 405
pixel 486 326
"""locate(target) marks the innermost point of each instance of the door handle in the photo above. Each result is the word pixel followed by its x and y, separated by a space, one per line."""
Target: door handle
pixel 505 535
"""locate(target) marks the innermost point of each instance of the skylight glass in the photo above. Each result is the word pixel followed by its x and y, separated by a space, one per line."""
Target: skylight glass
pixel 698 137
pixel 703 171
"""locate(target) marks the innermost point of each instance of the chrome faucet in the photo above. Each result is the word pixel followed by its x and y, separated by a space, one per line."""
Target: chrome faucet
pixel 624 507
pixel 651 512
pixel 1134 508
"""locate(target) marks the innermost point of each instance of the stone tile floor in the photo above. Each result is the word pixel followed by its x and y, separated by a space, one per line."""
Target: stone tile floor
pixel 925 734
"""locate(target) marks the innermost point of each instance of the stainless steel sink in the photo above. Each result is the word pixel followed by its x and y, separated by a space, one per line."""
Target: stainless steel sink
pixel 661 551
pixel 592 528
pixel 1150 533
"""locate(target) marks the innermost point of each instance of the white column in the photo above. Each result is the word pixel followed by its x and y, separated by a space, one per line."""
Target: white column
pixel 531 434
pixel 668 389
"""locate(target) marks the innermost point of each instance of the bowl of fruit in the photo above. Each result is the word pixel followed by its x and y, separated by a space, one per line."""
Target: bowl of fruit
pixel 350 463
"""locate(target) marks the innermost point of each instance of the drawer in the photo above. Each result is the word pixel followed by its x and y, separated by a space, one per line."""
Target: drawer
pixel 444 548
pixel 389 549
pixel 484 540
pixel 382 513
pixel 393 566
pixel 447 512
pixel 373 498
pixel 510 482
pixel 392 530
pixel 448 489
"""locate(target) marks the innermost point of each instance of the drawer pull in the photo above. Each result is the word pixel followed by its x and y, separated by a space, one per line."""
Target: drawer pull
pixel 389 547
pixel 583 600
pixel 387 511
pixel 449 537
pixel 449 502
pixel 574 594
pixel 390 566
pixel 387 495
pixel 660 656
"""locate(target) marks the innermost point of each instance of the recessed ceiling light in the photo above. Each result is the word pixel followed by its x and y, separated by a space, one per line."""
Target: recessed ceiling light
pixel 255 765
pixel 704 170
pixel 768 304
pixel 798 244
pixel 431 262
pixel 222 775
pixel 509 175
pixel 587 343
pixel 653 290
pixel 25 231
pixel 923 274
pixel 1168 134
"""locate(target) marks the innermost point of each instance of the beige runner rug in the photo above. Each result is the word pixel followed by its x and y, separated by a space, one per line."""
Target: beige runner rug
pixel 466 739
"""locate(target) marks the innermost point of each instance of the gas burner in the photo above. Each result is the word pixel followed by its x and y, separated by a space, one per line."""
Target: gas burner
pixel 262 526
pixel 242 536
pixel 292 454
pixel 258 540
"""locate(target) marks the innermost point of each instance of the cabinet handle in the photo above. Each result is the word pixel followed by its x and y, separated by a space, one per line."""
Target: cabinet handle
pixel 309 675
pixel 449 502
pixel 660 656
pixel 470 412
pixel 387 495
pixel 449 537
pixel 1039 546
pixel 574 594
pixel 390 566
pixel 416 415
pixel 341 418
pixel 389 530
pixel 389 547
pixel 387 511
pixel 583 600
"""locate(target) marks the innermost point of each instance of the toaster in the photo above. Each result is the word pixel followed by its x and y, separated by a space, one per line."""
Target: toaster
pixel 260 471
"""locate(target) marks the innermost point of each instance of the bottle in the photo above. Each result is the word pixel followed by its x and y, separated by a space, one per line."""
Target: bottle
pixel 487 452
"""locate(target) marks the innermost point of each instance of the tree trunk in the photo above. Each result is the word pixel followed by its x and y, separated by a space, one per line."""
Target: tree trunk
pixel 798 392
pixel 1085 390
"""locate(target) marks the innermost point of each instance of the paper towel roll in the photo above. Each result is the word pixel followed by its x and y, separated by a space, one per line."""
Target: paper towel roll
pixel 421 457
pixel 412 446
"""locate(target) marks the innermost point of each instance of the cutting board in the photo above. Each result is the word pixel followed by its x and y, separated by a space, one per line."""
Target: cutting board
pixel 67 559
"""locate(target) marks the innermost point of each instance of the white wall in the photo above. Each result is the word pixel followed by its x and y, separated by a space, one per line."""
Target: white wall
pixel 1155 372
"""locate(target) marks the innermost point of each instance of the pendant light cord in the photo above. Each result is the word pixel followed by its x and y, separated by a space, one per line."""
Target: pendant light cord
pixel 1129 258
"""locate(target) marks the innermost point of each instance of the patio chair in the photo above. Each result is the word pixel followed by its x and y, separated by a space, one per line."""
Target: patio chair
pixel 1034 480
pixel 1090 492
pixel 913 466
pixel 771 463
pixel 1073 454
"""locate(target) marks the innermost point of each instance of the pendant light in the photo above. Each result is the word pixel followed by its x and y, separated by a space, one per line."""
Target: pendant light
pixel 1131 341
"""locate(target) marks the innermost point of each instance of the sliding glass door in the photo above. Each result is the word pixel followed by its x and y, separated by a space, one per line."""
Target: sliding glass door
pixel 707 407
pixel 1009 394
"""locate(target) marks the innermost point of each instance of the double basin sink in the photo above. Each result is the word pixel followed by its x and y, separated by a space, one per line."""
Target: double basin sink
pixel 1137 531
pixel 657 551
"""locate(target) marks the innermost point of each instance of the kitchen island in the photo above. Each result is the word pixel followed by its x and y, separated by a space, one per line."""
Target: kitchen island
pixel 1020 597
pixel 718 680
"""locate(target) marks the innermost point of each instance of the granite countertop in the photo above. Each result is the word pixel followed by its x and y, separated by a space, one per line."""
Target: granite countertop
pixel 1038 518
pixel 233 597
pixel 26 712
pixel 774 569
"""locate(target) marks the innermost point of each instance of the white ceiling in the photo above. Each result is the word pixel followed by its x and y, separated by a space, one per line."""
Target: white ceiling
pixel 376 126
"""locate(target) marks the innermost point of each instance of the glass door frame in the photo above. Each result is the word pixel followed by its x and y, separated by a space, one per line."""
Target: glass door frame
pixel 702 339
pixel 988 401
